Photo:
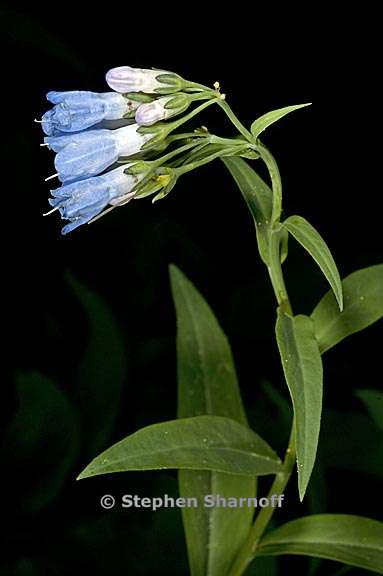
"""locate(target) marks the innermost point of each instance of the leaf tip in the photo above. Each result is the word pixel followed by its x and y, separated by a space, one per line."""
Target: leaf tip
pixel 302 487
pixel 86 473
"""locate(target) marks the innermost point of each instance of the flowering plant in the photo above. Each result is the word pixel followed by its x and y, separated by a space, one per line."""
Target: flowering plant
pixel 102 167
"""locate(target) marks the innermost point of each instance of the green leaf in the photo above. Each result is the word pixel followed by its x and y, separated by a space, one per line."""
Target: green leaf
pixel 42 440
pixel 199 443
pixel 313 242
pixel 363 305
pixel 302 366
pixel 207 384
pixel 373 400
pixel 101 374
pixel 263 122
pixel 258 197
pixel 353 540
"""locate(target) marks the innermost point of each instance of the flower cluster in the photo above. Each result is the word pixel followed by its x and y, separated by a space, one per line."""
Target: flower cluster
pixel 77 128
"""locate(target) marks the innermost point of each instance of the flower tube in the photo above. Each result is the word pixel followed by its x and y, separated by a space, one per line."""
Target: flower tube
pixel 82 200
pixel 89 153
pixel 78 110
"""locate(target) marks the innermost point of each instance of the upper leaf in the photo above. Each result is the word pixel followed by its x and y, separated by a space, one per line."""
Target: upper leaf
pixel 363 305
pixel 302 366
pixel 207 382
pixel 313 242
pixel 349 539
pixel 263 122
pixel 258 197
pixel 199 443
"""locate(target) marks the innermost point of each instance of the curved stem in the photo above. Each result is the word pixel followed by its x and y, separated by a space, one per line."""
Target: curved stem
pixel 185 135
pixel 224 152
pixel 275 177
pixel 275 270
pixel 233 118
pixel 195 86
pixel 248 550
pixel 176 152
pixel 174 125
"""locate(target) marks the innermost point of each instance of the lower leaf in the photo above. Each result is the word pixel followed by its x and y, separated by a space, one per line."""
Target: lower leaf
pixel 353 540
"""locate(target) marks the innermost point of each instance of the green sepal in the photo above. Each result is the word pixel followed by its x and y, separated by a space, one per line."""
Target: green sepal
pixel 129 115
pixel 158 137
pixel 173 83
pixel 138 97
pixel 165 191
pixel 178 101
pixel 137 168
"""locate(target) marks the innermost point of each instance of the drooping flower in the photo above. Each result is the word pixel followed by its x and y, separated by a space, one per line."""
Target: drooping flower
pixel 80 201
pixel 126 79
pixel 78 110
pixel 162 109
pixel 89 153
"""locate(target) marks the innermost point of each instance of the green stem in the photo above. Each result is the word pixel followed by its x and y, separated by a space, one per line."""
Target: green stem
pixel 224 152
pixel 275 177
pixel 160 161
pixel 275 269
pixel 213 139
pixel 195 86
pixel 177 123
pixel 233 118
pixel 248 550
pixel 185 135
pixel 205 95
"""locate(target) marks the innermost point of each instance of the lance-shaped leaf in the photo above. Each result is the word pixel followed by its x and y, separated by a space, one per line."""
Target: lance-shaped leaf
pixel 302 366
pixel 353 540
pixel 363 305
pixel 263 122
pixel 313 242
pixel 199 443
pixel 258 197
pixel 207 384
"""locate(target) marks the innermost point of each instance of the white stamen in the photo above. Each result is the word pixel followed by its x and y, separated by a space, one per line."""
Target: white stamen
pixel 51 177
pixel 44 144
pixel 101 215
pixel 51 211
pixel 40 121
pixel 122 199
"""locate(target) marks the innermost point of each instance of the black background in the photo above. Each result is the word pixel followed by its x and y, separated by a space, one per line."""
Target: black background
pixel 330 169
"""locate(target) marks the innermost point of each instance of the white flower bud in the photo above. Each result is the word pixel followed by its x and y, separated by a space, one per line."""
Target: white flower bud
pixel 126 79
pixel 161 109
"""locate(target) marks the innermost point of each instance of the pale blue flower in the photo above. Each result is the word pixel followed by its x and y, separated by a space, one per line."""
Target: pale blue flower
pixel 78 110
pixel 81 201
pixel 89 153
